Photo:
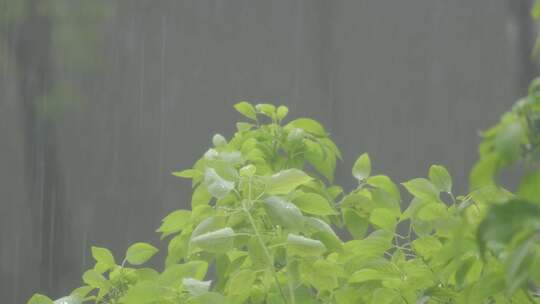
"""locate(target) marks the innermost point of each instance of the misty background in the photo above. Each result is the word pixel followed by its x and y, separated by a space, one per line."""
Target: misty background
pixel 100 100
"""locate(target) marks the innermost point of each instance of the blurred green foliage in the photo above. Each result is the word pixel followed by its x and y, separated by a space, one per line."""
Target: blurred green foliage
pixel 266 214
pixel 77 39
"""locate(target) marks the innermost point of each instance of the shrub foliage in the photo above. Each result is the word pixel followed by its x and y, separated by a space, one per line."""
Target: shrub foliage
pixel 269 223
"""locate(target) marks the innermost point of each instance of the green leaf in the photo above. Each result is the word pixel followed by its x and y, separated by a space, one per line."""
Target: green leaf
pixel 94 279
pixel 266 109
pixel 218 140
pixel 243 126
pixel 385 183
pixel 209 224
pixel 334 191
pixel 491 284
pixel 298 245
pixel 412 209
pixel 256 252
pixel 519 266
pixel 68 300
pixel 177 249
pixel 384 296
pixel 508 140
pixel 216 241
pixel 372 246
pixel 308 125
pixel 362 167
pixel 535 12
pixel 246 109
pixel 81 292
pixel 296 136
pixel 282 112
pixel 174 222
pixel 208 298
pixel 216 185
pixel 314 204
pixel 430 211
pixel 484 171
pixel 188 173
pixel 103 256
pixel 383 218
pixel 285 181
pixel 200 197
pixel 139 253
pixel 145 292
pixel 383 199
pixel 440 178
pixel 321 231
pixel 347 295
pixel 39 299
pixel 329 144
pixel 463 270
pixel 248 171
pixel 503 222
pixel 356 225
pixel 196 287
pixel 146 274
pixel 490 195
pixel 422 188
pixel 427 246
pixel 364 275
pixel 240 280
pixel 321 274
pixel 173 275
pixel 321 158
pixel 283 213
pixel 529 188
pixel 422 227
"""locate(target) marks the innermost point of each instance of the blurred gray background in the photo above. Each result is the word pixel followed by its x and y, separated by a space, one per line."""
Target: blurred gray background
pixel 101 100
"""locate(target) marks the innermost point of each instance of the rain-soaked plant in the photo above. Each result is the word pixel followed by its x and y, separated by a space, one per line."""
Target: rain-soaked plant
pixel 267 217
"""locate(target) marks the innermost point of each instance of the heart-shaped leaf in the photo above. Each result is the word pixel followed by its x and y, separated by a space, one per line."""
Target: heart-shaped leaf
pixel 139 253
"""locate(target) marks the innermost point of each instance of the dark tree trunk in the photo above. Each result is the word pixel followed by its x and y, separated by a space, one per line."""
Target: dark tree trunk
pixel 524 26
pixel 35 82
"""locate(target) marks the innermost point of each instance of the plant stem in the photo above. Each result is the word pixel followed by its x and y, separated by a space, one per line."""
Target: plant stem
pixel 289 281
pixel 453 198
pixel 263 246
pixel 266 252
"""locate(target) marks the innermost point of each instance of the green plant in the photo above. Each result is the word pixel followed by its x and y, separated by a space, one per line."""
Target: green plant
pixel 267 218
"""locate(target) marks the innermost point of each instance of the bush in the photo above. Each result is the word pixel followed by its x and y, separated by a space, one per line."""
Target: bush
pixel 267 217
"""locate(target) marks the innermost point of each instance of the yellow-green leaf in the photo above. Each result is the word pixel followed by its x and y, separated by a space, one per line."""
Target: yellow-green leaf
pixel 39 299
pixel 103 256
pixel 362 167
pixel 439 176
pixel 303 246
pixel 383 218
pixel 285 181
pixel 314 204
pixel 174 222
pixel 283 213
pixel 308 125
pixel 139 253
pixel 246 109
pixel 216 241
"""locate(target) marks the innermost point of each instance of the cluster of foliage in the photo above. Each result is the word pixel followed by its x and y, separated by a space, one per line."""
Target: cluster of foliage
pixel 267 225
